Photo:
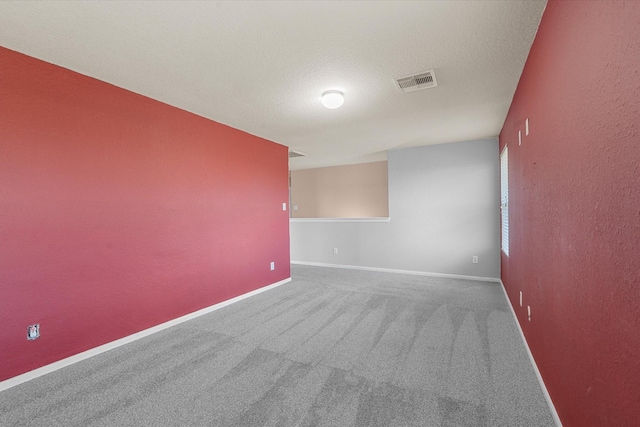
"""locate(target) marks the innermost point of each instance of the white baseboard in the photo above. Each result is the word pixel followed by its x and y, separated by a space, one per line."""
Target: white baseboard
pixel 552 407
pixel 391 270
pixel 316 220
pixel 27 376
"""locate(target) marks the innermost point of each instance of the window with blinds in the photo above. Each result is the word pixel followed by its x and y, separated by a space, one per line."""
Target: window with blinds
pixel 504 198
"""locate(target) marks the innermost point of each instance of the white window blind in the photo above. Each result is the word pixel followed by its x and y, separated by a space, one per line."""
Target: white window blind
pixel 504 198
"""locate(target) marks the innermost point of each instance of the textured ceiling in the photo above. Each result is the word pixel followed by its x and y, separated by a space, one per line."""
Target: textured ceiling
pixel 262 66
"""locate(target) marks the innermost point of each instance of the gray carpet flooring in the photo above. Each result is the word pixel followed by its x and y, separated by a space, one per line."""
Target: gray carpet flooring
pixel 331 348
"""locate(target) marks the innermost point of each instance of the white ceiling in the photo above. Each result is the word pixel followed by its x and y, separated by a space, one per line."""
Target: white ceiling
pixel 262 66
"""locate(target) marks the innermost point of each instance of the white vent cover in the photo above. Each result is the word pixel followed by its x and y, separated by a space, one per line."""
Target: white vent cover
pixel 293 154
pixel 419 81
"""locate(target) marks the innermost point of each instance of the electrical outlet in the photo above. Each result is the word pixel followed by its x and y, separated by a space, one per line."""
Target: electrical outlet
pixel 284 206
pixel 273 265
pixel 475 259
pixel 335 251
pixel 295 207
pixel 33 332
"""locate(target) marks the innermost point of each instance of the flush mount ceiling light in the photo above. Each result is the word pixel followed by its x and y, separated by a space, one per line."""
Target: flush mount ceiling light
pixel 332 99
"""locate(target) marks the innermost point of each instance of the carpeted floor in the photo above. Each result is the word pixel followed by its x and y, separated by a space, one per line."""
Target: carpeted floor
pixel 331 348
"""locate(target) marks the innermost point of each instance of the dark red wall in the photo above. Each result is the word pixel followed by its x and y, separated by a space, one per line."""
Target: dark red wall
pixel 574 188
pixel 118 212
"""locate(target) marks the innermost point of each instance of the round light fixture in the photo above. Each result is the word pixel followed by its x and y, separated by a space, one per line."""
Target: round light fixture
pixel 332 99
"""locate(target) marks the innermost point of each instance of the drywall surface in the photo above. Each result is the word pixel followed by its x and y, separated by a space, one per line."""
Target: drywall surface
pixel 443 208
pixel 574 208
pixel 118 213
pixel 349 191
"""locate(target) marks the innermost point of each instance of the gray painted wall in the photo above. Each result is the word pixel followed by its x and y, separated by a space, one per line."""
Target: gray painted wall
pixel 444 208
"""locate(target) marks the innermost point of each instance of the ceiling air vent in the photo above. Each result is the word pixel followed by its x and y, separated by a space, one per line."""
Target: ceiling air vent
pixel 417 82
pixel 293 154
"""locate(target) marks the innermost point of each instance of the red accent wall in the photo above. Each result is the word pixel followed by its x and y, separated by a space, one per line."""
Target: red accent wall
pixel 118 212
pixel 574 207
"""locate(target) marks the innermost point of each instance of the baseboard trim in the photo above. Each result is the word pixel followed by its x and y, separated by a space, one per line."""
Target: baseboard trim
pixel 392 270
pixel 547 396
pixel 28 376
pixel 316 220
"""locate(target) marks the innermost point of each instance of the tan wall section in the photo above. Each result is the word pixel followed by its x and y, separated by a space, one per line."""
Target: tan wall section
pixel 351 191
